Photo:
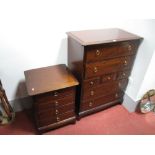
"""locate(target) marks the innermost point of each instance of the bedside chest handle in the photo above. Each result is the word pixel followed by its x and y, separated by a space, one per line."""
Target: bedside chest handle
pixel 98 52
pixel 55 93
pixel 90 104
pixel 95 69
pixel 92 92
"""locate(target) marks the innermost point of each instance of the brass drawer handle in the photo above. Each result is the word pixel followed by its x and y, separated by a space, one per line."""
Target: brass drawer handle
pixel 125 62
pixel 55 93
pixel 109 78
pixel 95 70
pixel 90 104
pixel 92 93
pixel 98 52
pixel 56 103
pixel 56 111
pixel 91 83
pixel 119 84
pixel 116 95
pixel 129 47
pixel 58 119
pixel 124 74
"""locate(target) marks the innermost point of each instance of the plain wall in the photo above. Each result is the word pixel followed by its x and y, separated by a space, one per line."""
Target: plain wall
pixel 32 35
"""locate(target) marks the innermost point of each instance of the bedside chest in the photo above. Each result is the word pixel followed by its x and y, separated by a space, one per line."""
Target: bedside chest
pixel 53 92
pixel 102 61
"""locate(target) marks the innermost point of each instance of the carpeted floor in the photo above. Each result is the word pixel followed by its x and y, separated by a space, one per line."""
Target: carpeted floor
pixel 113 121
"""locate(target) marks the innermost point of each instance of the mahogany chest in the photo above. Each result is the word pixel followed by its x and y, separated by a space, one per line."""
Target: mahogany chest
pixel 53 92
pixel 102 61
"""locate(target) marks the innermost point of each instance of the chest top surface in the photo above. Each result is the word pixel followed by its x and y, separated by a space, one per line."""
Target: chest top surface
pixel 42 80
pixel 90 37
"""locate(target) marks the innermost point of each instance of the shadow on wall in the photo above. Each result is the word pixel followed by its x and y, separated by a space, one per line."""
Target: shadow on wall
pixel 22 100
pixel 62 52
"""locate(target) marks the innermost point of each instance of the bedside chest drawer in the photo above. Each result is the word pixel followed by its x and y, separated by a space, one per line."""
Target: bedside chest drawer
pixel 40 106
pixel 89 104
pixel 53 112
pixel 54 95
pixel 57 119
pixel 108 66
pixel 104 89
pixel 101 52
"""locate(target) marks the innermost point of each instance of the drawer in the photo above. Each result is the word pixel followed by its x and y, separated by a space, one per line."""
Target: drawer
pixel 101 52
pixel 108 66
pixel 89 104
pixel 41 106
pixel 123 74
pixel 53 112
pixel 104 89
pixel 91 83
pixel 108 77
pixel 54 95
pixel 51 120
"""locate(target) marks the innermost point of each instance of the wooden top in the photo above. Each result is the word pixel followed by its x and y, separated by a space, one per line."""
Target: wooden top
pixel 47 79
pixel 91 37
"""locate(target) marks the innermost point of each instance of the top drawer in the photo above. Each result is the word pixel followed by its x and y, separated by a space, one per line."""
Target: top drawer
pixel 54 95
pixel 101 52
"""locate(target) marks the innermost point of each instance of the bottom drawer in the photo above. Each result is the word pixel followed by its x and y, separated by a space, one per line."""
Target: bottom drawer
pixel 55 119
pixel 89 104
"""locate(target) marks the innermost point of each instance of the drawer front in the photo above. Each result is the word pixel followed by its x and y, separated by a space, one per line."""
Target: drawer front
pixel 51 120
pixel 108 66
pixel 91 83
pixel 108 77
pixel 104 89
pixel 54 112
pixel 54 95
pixel 89 104
pixel 101 52
pixel 42 106
pixel 123 74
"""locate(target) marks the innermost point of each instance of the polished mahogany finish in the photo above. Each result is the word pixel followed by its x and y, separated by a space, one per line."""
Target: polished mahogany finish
pixel 102 61
pixel 48 79
pixel 53 91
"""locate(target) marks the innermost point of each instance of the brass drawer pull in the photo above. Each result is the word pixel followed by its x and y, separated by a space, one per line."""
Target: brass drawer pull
pixel 56 103
pixel 116 95
pixel 109 78
pixel 124 74
pixel 90 104
pixel 125 62
pixel 92 93
pixel 58 119
pixel 119 84
pixel 95 70
pixel 55 93
pixel 98 52
pixel 91 83
pixel 56 111
pixel 129 47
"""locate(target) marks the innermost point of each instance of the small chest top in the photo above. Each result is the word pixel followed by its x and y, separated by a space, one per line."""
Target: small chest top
pixel 91 37
pixel 47 79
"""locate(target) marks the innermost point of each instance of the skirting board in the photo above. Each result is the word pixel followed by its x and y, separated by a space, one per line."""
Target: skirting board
pixel 129 103
pixel 26 103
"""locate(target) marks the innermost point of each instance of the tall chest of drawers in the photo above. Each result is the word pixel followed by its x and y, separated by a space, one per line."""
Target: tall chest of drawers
pixel 102 61
pixel 53 92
